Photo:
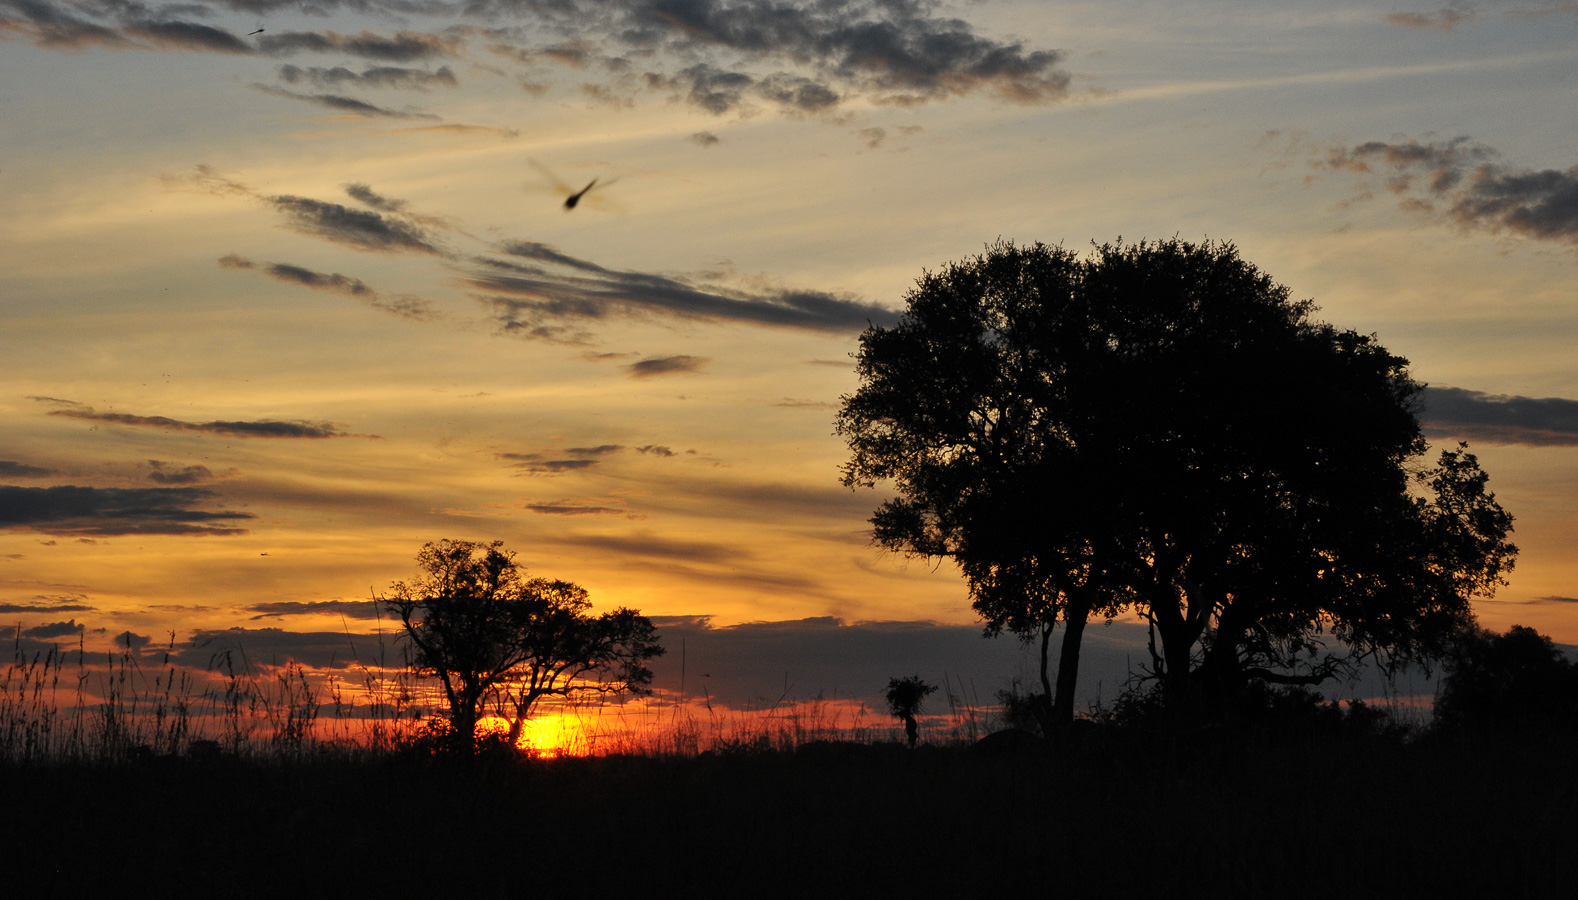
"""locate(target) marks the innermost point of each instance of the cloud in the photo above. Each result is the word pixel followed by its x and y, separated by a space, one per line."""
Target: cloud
pixel 389 77
pixel 83 511
pixel 1557 599
pixel 355 228
pixel 12 469
pixel 752 665
pixel 405 305
pixel 190 36
pixel 370 197
pixel 566 508
pixel 265 428
pixel 666 365
pixel 1462 182
pixel 275 647
pixel 8 608
pixel 647 545
pixel 167 473
pixel 51 27
pixel 1500 418
pixel 893 49
pixel 554 296
pixel 350 609
pixel 705 138
pixel 345 104
pixel 537 464
pixel 53 630
pixel 1443 20
pixel 405 46
pixel 599 450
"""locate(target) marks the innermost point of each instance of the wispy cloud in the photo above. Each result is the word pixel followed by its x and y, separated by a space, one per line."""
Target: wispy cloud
pixel 90 511
pixel 388 77
pixel 174 473
pixel 405 46
pixel 346 104
pixel 13 469
pixel 666 365
pixel 1442 20
pixel 557 297
pixel 1500 418
pixel 350 609
pixel 263 428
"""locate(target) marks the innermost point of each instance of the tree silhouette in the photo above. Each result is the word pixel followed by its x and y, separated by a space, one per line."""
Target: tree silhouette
pixel 1514 683
pixel 1160 427
pixel 478 625
pixel 906 696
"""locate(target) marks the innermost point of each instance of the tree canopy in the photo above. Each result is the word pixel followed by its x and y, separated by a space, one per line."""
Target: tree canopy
pixel 1160 427
pixel 485 631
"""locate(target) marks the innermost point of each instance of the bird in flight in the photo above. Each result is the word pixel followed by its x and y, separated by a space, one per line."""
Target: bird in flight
pixel 573 197
pixel 250 33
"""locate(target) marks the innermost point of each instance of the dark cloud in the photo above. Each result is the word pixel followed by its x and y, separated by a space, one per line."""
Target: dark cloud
pixel 80 511
pixel 894 49
pixel 1500 418
pixel 190 36
pixel 355 228
pixel 666 365
pixel 538 464
pixel 459 128
pixel 1462 182
pixel 370 197
pixel 753 665
pixel 47 25
pixel 797 92
pixel 12 469
pixel 1557 599
pixel 655 450
pixel 563 508
pixel 53 630
pixel 171 473
pixel 343 284
pixel 265 428
pixel 405 46
pixel 350 609
pixel 345 104
pixel 555 296
pixel 704 86
pixel 705 138
pixel 48 608
pixel 395 77
pixel 599 450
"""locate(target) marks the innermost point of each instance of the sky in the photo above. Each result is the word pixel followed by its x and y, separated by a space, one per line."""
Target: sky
pixel 289 288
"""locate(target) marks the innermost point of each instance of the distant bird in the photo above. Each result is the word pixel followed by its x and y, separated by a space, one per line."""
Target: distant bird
pixel 250 33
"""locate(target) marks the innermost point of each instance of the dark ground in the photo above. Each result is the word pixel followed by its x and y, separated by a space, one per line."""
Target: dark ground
pixel 1152 817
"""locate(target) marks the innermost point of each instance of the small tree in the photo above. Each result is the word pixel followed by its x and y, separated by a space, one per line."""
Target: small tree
pixel 1513 683
pixel 478 625
pixel 906 696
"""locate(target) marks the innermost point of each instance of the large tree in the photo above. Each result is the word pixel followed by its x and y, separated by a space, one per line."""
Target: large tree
pixel 1160 426
pixel 483 629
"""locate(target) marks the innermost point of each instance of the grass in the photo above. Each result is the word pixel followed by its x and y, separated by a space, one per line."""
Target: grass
pixel 303 787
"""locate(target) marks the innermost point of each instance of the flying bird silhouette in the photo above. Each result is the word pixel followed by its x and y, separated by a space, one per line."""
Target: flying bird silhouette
pixel 573 197
pixel 250 33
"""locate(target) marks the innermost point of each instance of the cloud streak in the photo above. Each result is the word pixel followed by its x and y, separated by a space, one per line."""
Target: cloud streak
pixel 107 512
pixel 556 297
pixel 262 428
pixel 1500 418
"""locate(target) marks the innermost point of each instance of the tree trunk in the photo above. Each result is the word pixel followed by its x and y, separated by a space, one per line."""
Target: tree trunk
pixel 1076 614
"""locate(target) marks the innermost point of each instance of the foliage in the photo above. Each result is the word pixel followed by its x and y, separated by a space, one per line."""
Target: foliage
pixel 906 696
pixel 1161 427
pixel 484 630
pixel 1513 683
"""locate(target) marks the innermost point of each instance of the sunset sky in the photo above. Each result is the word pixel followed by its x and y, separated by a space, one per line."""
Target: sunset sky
pixel 288 288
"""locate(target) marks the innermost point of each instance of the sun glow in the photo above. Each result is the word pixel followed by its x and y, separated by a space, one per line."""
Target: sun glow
pixel 545 736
